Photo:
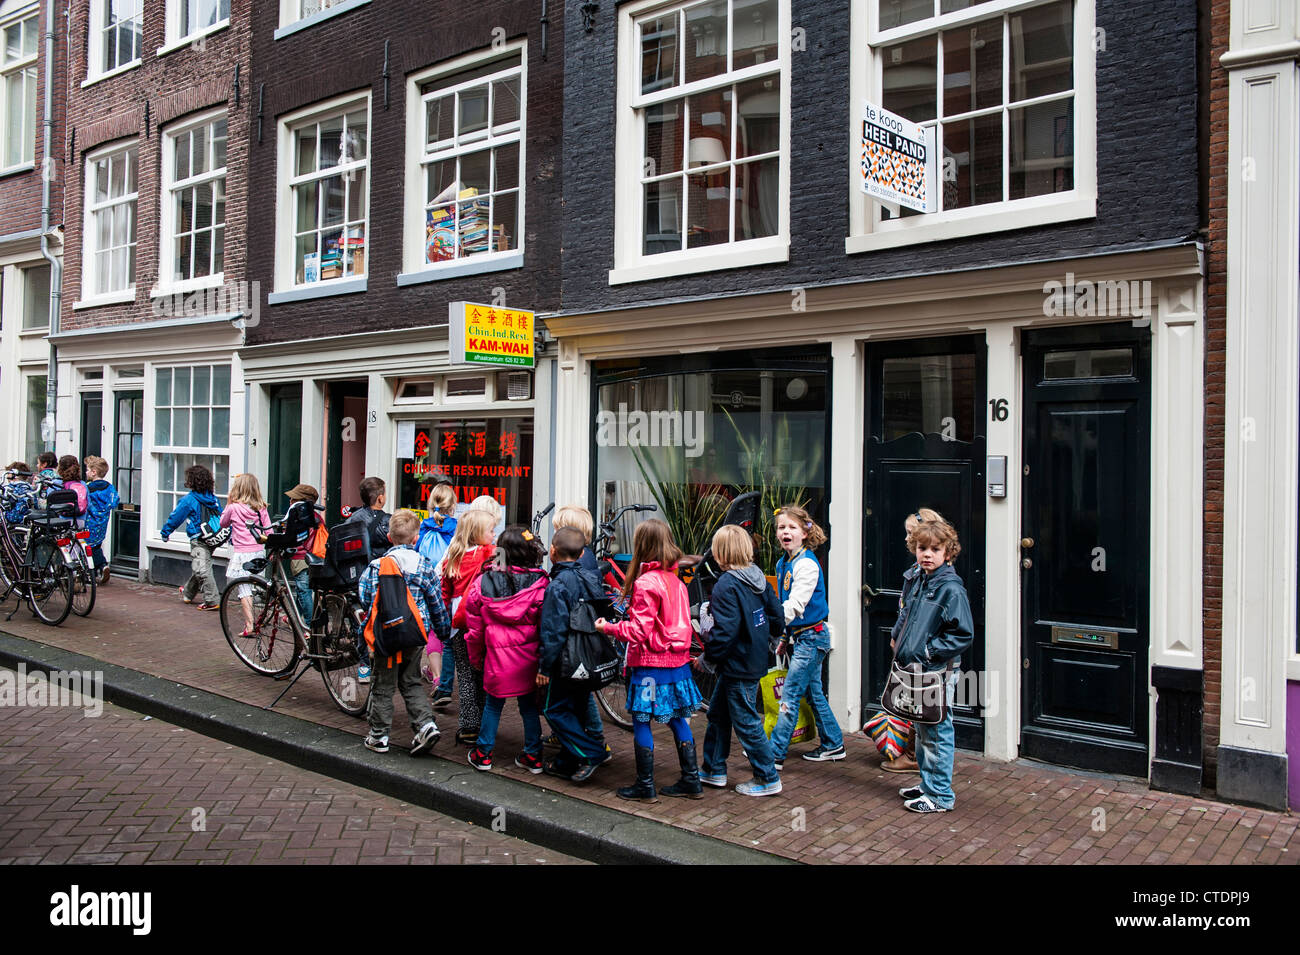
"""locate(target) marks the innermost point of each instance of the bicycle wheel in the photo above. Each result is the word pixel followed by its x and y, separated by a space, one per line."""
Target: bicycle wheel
pixel 336 655
pixel 83 584
pixel 612 698
pixel 49 586
pixel 270 646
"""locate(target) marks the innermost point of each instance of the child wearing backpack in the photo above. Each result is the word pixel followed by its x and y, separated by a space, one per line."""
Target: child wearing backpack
pixel 70 475
pixel 193 510
pixel 244 506
pixel 103 499
pixel 436 533
pixel 470 553
pixel 746 616
pixel 390 606
pixel 502 610
pixel 660 686
pixel 566 705
pixel 18 492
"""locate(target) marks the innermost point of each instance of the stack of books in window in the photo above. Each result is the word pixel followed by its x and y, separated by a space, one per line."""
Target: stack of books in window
pixel 354 248
pixel 473 225
pixel 440 234
pixel 331 260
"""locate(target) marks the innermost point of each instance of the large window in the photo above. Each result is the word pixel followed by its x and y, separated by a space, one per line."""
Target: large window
pixel 690 435
pixel 36 297
pixel 36 390
pixel 116 35
pixel 328 161
pixel 469 154
pixel 707 89
pixel 194 201
pixel 111 195
pixel 479 456
pixel 18 98
pixel 191 426
pixel 187 18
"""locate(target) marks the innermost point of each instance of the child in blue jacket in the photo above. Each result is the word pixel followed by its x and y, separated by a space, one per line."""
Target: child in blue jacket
pixel 190 511
pixel 103 500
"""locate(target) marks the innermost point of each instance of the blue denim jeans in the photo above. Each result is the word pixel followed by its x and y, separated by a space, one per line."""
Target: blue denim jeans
pixel 302 586
pixel 805 679
pixel 935 753
pixel 562 712
pixel 734 706
pixel 487 727
pixel 447 678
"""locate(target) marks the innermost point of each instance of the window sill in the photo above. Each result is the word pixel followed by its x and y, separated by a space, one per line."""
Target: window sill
pixel 40 332
pixel 976 221
pixel 118 71
pixel 193 38
pixel 475 265
pixel 18 169
pixel 185 288
pixel 108 298
pixel 669 264
pixel 319 17
pixel 318 290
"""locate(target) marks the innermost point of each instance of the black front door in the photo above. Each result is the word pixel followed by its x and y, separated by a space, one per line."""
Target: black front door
pixel 1084 554
pixel 92 426
pixel 285 464
pixel 128 468
pixel 924 448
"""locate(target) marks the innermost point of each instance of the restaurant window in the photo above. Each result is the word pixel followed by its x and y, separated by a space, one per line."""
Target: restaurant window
pixel 479 456
pixel 691 441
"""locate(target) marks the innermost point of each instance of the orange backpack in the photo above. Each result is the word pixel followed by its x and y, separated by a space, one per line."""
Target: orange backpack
pixel 400 626
pixel 319 538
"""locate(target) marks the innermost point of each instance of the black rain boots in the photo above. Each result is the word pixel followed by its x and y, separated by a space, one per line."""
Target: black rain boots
pixel 643 790
pixel 688 786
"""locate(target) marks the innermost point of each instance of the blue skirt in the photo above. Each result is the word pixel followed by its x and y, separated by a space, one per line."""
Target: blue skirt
pixel 659 694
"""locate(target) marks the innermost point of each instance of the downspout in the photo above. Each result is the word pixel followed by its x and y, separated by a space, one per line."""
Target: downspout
pixel 56 262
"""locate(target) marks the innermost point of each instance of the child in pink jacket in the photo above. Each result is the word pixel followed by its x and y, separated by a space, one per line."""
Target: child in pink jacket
pixel 502 610
pixel 660 686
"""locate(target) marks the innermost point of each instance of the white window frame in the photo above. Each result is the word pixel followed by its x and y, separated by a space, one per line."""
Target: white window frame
pixel 96 68
pixel 176 39
pixel 868 231
pixel 286 211
pixel 27 65
pixel 156 451
pixel 24 281
pixel 167 284
pixel 630 263
pixel 293 19
pixel 414 266
pixel 90 246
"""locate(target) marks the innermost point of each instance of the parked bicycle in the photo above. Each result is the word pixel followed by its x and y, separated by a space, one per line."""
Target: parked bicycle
pixel 33 566
pixel 279 638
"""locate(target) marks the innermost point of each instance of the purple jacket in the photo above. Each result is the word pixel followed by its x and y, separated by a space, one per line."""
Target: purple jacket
pixel 502 611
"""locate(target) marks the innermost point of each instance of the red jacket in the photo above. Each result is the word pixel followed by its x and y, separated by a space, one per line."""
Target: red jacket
pixel 657 630
pixel 457 585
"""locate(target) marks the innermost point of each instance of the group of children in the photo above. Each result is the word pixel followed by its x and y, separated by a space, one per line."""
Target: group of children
pixel 96 498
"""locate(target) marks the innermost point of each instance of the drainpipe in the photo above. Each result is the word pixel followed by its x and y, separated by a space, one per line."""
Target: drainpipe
pixel 56 263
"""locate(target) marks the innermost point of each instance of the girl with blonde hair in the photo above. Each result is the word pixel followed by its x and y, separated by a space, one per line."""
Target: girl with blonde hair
pixel 469 554
pixel 244 506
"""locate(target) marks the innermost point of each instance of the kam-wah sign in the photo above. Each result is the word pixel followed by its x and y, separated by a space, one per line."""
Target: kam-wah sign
pixel 490 335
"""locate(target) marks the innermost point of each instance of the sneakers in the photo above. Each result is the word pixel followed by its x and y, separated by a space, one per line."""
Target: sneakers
pixel 529 762
pixel 608 757
pixel 755 788
pixel 903 764
pixel 825 755
pixel 207 606
pixel 425 739
pixel 924 803
pixel 480 759
pixel 717 782
pixel 105 574
pixel 376 744
pixel 184 599
pixel 584 772
pixel 441 698
pixel 779 764
pixel 363 673
pixel 911 792
pixel 467 737
pixel 552 740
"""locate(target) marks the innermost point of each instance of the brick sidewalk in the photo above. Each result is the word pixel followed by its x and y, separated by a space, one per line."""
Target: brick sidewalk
pixel 838 812
pixel 123 789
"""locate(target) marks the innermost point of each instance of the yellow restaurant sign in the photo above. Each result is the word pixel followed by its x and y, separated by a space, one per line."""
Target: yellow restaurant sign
pixel 490 335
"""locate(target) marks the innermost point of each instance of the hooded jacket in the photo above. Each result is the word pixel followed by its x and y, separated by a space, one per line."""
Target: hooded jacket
pixel 189 511
pixel 570 584
pixel 502 610
pixel 657 630
pixel 103 499
pixel 937 627
pixel 746 615
pixel 457 585
pixel 443 528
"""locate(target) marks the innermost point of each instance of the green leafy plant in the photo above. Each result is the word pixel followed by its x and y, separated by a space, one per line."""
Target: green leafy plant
pixel 692 511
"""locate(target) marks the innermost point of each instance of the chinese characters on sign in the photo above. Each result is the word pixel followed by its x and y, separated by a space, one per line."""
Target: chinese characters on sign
pixel 487 456
pixel 490 335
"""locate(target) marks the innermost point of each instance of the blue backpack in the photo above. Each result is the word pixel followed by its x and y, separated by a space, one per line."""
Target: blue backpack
pixel 433 545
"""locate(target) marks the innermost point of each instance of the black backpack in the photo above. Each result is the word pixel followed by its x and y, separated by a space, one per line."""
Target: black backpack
pixel 589 660
pixel 211 534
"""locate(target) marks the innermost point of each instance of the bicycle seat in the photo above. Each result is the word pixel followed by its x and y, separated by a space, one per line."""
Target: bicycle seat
pixel 51 517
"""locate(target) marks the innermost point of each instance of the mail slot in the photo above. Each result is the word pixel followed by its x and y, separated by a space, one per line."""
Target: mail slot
pixel 1086 638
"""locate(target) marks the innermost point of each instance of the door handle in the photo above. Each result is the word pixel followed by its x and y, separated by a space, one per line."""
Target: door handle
pixel 869 594
pixel 1026 563
pixel 1026 543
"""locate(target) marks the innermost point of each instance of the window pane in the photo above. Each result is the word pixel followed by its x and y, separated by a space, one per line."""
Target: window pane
pixel 199 428
pixel 357 195
pixel 220 429
pixel 708 209
pixel 475 171
pixel 181 390
pixel 706 40
pixel 117 176
pixel 440 119
pixel 162 423
pixel 101 180
pixel 221 384
pixel 202 385
pixel 972 67
pixel 506 173
pixel 663 139
pixel 357 139
pixel 663 205
pixel 909 79
pixel 306 139
pixel 659 53
pixel 220 133
pixel 758 207
pixel 306 203
pixel 167 472
pixel 354 258
pixel 199 150
pixel 896 13
pixel 505 102
pixel 331 141
pixel 922 393
pixel 182 163
pixel 710 117
pixel 333 189
pixel 202 254
pixel 181 425
pixel 304 246
pixel 1093 362
pixel 1042 51
pixel 441 179
pixel 162 396
pixel 473 111
pixel 505 229
pixel 36 297
pixel 132 160
pixel 755 29
pixel 758 106
pixel 976 146
pixel 1042 149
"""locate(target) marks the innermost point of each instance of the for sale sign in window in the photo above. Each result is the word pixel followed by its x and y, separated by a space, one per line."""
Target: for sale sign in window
pixel 897 160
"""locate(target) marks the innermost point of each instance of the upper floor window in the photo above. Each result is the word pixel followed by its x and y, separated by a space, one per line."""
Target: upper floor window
pixel 325 167
pixel 36 297
pixel 703 144
pixel 194 201
pixel 116 34
pixel 297 14
pixel 18 106
pixel 187 18
pixel 466 162
pixel 1008 91
pixel 109 245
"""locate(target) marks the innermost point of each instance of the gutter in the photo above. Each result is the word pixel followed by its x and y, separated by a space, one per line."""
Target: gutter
pixel 56 262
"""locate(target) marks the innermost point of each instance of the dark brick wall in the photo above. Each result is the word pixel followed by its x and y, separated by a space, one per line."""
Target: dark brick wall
pixel 1146 161
pixel 183 82
pixel 20 193
pixel 346 55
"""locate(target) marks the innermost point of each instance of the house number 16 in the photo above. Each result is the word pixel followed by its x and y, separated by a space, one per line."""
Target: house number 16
pixel 998 409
